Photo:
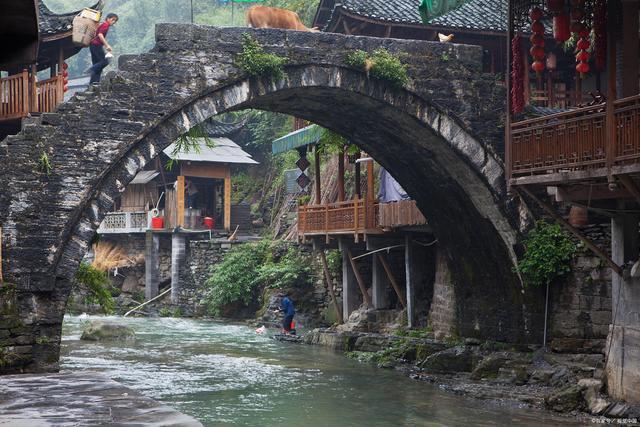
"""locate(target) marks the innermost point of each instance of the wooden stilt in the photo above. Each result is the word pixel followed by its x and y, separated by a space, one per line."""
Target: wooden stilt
pixel 356 273
pixel 392 279
pixel 327 277
pixel 588 243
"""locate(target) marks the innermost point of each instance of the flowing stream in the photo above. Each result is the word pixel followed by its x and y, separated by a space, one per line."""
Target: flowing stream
pixel 225 374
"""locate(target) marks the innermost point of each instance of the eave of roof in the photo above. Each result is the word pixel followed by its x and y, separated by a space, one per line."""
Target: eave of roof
pixel 223 150
pixel 53 26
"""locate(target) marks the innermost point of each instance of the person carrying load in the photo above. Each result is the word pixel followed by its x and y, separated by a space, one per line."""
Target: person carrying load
pixel 97 48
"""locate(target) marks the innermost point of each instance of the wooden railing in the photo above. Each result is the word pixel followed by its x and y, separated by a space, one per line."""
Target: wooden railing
pixel 354 216
pixel 400 214
pixel 14 96
pixel 19 96
pixel 124 222
pixel 558 98
pixel 577 139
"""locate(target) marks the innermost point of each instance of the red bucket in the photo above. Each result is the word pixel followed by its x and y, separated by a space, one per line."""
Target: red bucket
pixel 208 222
pixel 157 222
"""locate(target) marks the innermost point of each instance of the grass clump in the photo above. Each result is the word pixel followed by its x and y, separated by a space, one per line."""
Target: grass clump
pixel 381 64
pixel 95 283
pixel 257 63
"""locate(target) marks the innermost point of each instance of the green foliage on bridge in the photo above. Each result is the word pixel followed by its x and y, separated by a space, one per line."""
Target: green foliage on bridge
pixel 548 254
pixel 381 64
pixel 96 285
pixel 254 61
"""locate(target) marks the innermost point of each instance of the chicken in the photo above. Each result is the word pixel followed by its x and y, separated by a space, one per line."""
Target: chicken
pixel 445 39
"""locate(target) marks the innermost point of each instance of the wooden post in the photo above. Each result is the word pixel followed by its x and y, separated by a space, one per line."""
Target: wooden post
pixel 410 282
pixel 180 200
pixel 392 279
pixel 356 273
pixel 1 276
pixel 327 277
pixel 611 97
pixel 26 99
pixel 227 200
pixel 357 177
pixel 341 176
pixel 317 177
pixel 629 72
pixel 507 122
pixel 33 93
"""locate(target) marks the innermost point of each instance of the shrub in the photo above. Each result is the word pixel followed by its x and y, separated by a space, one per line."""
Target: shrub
pixel 97 286
pixel 548 254
pixel 234 279
pixel 289 271
pixel 257 63
pixel 381 64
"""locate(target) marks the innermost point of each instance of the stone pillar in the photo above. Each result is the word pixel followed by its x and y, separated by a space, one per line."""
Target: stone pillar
pixel 443 307
pixel 349 286
pixel 410 282
pixel 151 265
pixel 623 349
pixel 379 281
pixel 178 255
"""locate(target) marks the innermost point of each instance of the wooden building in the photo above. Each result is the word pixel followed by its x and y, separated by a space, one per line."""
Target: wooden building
pixel 22 93
pixel 388 250
pixel 476 22
pixel 195 188
pixel 586 156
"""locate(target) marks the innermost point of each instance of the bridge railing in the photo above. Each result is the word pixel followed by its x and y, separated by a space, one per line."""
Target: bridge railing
pixel 125 222
pixel 577 140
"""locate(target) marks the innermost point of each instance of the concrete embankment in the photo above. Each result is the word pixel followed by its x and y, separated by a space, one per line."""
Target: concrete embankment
pixel 80 399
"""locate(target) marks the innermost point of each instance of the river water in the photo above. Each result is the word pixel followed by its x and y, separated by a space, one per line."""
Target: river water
pixel 225 374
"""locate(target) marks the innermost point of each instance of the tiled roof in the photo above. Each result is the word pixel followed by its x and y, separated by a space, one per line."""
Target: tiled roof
pixel 50 23
pixel 399 11
pixel 479 15
pixel 476 15
pixel 215 128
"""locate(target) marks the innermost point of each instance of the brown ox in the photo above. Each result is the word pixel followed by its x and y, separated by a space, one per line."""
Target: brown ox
pixel 271 17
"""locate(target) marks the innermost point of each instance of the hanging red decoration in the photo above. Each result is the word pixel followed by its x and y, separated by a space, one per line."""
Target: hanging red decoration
pixel 582 68
pixel 537 53
pixel 561 25
pixel 583 56
pixel 65 65
pixel 583 44
pixel 537 40
pixel 600 34
pixel 581 30
pixel 517 75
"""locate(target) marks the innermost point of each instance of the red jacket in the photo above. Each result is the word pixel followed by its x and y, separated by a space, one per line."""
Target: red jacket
pixel 102 29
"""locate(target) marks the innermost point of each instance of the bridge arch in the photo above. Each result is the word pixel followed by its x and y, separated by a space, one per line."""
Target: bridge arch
pixel 102 138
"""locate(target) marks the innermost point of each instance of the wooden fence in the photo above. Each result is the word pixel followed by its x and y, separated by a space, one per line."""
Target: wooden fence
pixel 20 96
pixel 354 216
pixel 577 139
pixel 400 214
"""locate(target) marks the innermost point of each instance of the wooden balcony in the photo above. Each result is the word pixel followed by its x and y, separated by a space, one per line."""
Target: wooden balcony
pixel 586 143
pixel 352 217
pixel 21 95
pixel 357 217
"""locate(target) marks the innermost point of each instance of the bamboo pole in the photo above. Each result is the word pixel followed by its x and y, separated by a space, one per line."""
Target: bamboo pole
pixel 361 285
pixel 392 279
pixel 145 303
pixel 327 276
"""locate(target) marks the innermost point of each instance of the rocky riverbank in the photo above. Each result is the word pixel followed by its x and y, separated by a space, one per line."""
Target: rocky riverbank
pixel 505 374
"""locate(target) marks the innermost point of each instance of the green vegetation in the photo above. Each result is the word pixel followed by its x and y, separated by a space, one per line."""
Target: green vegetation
pixel 334 261
pixel 95 283
pixel 331 143
pixel 415 333
pixel 188 143
pixel 249 267
pixel 381 64
pixel 548 254
pixel 44 164
pixel 257 63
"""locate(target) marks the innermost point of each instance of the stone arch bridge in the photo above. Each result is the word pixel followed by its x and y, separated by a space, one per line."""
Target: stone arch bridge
pixel 441 137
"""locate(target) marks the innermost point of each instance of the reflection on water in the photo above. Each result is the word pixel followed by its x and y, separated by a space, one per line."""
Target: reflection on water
pixel 225 374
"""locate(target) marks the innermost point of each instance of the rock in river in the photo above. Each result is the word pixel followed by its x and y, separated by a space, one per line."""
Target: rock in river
pixel 98 330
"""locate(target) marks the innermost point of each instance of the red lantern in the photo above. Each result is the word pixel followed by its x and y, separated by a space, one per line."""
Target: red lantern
pixel 537 40
pixel 537 27
pixel 65 88
pixel 583 44
pixel 561 25
pixel 537 66
pixel 536 14
pixel 537 53
pixel 583 56
pixel 555 6
pixel 65 65
pixel 582 68
pixel 65 73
